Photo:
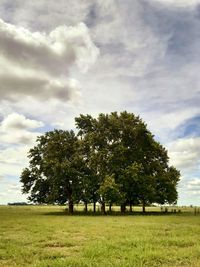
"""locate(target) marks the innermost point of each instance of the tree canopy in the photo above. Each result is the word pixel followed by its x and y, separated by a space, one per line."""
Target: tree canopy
pixel 113 159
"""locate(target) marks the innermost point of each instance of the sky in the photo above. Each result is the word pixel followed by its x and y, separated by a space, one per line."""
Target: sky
pixel 59 59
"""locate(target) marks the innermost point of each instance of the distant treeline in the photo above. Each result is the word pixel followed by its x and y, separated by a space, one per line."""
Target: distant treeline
pixel 17 204
pixel 113 159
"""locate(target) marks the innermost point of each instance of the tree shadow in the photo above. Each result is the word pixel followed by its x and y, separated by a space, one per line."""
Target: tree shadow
pixel 111 214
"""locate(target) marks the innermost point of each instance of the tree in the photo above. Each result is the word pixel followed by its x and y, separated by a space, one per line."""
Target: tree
pixel 89 187
pixel 91 179
pixel 54 173
pixel 166 186
pixel 113 158
pixel 129 184
pixel 121 145
pixel 95 150
pixel 110 191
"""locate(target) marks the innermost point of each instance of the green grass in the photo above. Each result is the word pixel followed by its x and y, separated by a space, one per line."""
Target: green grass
pixel 46 236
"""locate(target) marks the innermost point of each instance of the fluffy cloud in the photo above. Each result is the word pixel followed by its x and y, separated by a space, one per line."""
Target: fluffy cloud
pixel 18 134
pixel 37 64
pixel 140 48
pixel 18 121
pixel 15 129
pixel 185 154
pixel 20 137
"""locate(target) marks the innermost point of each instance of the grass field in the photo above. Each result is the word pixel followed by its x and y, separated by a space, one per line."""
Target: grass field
pixel 46 236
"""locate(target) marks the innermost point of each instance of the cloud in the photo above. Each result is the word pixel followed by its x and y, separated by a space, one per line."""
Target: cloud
pixel 12 160
pixel 17 129
pixel 193 186
pixel 20 137
pixel 195 182
pixel 130 50
pixel 18 121
pixel 179 3
pixel 53 52
pixel 17 134
pixel 169 124
pixel 43 88
pixel 185 154
pixel 190 127
pixel 14 188
pixel 37 64
pixel 148 65
pixel 10 191
pixel 23 13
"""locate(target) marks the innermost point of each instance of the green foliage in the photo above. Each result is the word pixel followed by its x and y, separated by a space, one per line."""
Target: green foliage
pixel 110 191
pixel 113 158
pixel 54 171
pixel 121 145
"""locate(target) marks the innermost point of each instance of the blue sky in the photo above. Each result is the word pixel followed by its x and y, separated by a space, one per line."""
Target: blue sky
pixel 65 57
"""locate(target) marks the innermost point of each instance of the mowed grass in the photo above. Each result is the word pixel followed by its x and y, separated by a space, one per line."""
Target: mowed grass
pixel 46 236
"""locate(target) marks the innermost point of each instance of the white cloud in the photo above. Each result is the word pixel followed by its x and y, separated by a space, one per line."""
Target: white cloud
pixel 10 191
pixel 19 121
pixel 15 129
pixel 12 160
pixel 20 137
pixel 185 154
pixel 53 52
pixel 37 64
pixel 193 186
pixel 17 134
pixel 195 182
pixel 14 188
pixel 179 3
pixel 164 125
pixel 59 12
pixel 134 45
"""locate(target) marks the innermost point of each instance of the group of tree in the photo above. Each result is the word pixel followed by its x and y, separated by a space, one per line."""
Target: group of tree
pixel 112 159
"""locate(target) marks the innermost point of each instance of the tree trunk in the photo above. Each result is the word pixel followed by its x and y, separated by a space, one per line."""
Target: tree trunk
pixel 123 208
pixel 110 207
pixel 86 206
pixel 70 201
pixel 131 209
pixel 71 206
pixel 94 206
pixel 103 207
pixel 143 206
